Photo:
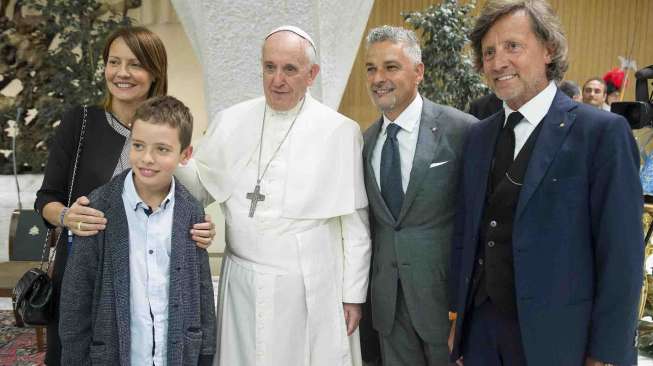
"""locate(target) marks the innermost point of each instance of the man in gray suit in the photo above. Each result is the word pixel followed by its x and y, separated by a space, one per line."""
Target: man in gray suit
pixel 412 157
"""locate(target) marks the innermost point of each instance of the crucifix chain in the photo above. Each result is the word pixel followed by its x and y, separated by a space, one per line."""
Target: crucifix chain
pixel 255 196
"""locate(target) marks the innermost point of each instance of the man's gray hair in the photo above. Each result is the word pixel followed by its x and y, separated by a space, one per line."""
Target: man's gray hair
pixel 406 37
pixel 545 24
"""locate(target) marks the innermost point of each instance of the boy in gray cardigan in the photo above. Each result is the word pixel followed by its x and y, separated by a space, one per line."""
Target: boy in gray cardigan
pixel 140 292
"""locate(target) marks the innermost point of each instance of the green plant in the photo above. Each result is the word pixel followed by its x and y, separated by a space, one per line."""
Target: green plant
pixel 449 74
pixel 51 54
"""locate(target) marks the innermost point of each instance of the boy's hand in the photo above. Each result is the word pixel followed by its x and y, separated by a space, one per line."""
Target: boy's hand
pixel 83 220
pixel 203 233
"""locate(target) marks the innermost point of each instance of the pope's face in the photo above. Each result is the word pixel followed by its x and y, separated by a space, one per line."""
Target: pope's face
pixel 514 59
pixel 287 71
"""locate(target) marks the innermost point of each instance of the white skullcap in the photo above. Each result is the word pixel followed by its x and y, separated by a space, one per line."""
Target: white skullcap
pixel 298 31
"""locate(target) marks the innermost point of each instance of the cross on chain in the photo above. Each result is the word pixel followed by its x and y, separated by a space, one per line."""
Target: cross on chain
pixel 255 197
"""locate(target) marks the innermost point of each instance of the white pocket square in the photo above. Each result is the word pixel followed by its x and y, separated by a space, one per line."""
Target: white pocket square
pixel 433 165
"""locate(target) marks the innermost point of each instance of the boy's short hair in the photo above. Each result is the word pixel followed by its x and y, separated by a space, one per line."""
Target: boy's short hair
pixel 170 111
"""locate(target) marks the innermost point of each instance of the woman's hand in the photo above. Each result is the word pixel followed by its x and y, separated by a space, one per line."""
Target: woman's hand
pixel 83 220
pixel 203 233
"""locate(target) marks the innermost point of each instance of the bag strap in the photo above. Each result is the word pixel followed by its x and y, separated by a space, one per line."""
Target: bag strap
pixel 80 144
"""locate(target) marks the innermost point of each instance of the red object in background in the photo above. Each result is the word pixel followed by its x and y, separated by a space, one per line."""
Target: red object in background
pixel 615 77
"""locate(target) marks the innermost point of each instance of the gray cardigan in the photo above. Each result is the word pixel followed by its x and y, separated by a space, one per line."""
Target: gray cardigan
pixel 94 307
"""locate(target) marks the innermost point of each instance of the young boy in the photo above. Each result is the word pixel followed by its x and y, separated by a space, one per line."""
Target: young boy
pixel 140 292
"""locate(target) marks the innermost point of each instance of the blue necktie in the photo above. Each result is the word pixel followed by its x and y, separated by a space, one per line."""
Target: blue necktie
pixel 391 188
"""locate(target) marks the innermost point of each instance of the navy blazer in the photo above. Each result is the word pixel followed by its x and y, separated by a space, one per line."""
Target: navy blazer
pixel 577 239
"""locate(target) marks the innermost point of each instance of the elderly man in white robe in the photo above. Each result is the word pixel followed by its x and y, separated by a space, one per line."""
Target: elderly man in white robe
pixel 287 172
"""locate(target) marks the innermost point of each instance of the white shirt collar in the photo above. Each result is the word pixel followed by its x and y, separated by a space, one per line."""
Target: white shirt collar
pixel 409 117
pixel 135 201
pixel 535 109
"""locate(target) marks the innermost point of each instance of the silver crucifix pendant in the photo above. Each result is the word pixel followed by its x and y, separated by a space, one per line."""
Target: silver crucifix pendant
pixel 255 197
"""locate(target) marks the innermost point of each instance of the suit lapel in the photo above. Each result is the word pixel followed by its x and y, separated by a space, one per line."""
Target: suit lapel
pixel 555 127
pixel 481 166
pixel 373 191
pixel 429 141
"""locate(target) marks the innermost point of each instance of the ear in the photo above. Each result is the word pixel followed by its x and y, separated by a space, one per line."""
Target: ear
pixel 420 72
pixel 186 154
pixel 312 73
pixel 548 54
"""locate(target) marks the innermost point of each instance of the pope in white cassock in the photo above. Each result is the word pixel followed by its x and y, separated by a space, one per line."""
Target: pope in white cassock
pixel 287 172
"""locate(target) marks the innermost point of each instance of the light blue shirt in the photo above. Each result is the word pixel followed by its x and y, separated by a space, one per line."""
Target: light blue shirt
pixel 149 266
pixel 408 120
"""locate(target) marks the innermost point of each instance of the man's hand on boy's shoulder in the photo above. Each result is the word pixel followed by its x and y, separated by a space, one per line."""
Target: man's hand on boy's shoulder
pixel 204 232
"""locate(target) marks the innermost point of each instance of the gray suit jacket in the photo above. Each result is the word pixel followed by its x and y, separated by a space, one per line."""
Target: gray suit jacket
pixel 94 310
pixel 414 249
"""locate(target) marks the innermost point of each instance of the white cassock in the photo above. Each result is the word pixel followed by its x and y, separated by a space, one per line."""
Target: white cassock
pixel 288 270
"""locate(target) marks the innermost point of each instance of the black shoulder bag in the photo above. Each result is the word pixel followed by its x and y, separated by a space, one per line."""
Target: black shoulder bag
pixel 32 297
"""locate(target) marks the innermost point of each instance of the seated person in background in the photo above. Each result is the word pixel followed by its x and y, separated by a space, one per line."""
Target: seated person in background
pixel 140 292
pixel 571 89
pixel 594 93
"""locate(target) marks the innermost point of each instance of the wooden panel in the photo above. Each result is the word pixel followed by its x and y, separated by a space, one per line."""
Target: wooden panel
pixel 598 31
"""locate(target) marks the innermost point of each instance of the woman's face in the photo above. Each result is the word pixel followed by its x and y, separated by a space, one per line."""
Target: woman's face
pixel 127 80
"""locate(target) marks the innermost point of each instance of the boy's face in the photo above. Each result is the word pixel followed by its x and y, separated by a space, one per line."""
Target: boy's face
pixel 155 153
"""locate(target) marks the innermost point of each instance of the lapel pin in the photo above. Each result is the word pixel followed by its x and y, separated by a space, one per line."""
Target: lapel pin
pixel 562 124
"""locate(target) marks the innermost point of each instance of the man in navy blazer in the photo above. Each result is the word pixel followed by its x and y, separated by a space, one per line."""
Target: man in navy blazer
pixel 547 257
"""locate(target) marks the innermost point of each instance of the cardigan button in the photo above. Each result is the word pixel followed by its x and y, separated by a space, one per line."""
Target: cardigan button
pixel 490 244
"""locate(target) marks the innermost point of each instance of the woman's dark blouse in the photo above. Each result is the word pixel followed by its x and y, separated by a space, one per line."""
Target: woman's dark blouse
pixel 100 153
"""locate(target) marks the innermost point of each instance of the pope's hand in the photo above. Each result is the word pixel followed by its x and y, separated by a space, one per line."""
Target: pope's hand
pixel 353 315
pixel 203 233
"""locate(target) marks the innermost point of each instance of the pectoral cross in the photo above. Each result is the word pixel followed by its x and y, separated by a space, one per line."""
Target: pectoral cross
pixel 255 197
